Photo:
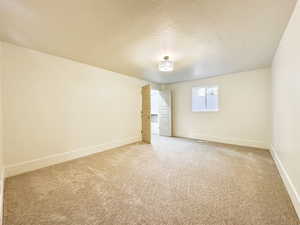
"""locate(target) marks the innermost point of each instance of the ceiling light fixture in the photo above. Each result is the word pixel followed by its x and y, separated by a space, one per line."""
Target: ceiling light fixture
pixel 166 65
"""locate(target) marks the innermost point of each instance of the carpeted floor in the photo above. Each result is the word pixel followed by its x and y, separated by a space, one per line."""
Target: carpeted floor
pixel 173 182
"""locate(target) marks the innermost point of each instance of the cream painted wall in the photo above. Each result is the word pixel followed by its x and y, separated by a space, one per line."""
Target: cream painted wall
pixel 244 115
pixel 286 106
pixel 1 137
pixel 1 130
pixel 53 105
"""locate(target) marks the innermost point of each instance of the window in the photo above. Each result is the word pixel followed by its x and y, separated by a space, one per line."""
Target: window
pixel 205 99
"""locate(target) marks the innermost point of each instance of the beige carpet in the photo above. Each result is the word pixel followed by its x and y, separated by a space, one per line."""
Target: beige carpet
pixel 174 182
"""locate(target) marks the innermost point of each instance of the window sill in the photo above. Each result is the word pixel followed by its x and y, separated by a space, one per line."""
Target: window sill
pixel 207 111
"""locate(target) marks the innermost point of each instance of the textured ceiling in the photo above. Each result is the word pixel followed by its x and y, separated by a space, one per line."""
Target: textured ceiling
pixel 203 37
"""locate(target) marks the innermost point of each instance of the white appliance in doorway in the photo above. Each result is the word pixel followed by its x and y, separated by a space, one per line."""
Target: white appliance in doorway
pixel 165 113
pixel 154 112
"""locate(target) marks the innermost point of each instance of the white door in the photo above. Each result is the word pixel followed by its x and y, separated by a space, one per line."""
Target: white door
pixel 165 113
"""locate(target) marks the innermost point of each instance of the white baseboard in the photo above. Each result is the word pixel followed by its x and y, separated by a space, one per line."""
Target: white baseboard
pixel 1 195
pixel 19 168
pixel 232 141
pixel 287 181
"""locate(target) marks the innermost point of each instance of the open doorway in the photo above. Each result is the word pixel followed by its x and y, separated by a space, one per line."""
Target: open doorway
pixel 161 112
pixel 156 113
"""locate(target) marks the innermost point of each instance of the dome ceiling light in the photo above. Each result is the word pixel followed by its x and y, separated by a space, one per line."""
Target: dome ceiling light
pixel 166 65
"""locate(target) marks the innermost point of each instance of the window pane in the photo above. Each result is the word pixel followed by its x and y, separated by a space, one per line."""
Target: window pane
pixel 198 99
pixel 212 99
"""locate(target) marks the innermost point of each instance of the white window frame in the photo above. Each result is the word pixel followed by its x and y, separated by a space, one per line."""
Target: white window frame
pixel 206 110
